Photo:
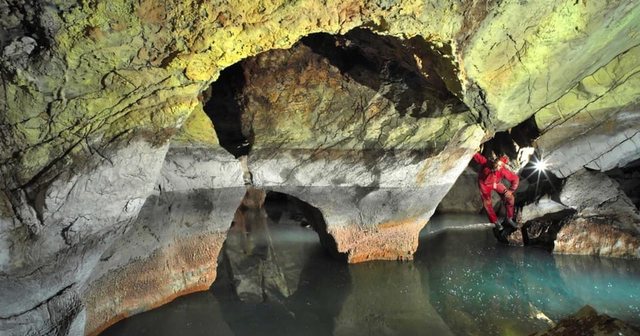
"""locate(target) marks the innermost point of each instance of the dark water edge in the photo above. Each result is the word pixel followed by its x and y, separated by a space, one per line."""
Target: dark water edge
pixel 462 282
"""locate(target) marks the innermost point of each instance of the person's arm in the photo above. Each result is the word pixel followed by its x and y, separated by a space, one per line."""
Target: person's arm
pixel 479 159
pixel 513 179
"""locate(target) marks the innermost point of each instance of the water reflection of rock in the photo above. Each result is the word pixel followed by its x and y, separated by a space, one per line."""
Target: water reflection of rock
pixel 191 315
pixel 268 244
pixel 310 310
pixel 249 253
pixel 388 299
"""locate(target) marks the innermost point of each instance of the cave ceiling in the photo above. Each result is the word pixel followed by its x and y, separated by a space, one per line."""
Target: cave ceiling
pixel 81 76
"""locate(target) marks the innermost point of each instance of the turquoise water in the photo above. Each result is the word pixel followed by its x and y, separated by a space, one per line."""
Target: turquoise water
pixel 462 282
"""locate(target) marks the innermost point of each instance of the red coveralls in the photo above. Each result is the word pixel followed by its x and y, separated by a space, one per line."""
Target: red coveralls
pixel 489 180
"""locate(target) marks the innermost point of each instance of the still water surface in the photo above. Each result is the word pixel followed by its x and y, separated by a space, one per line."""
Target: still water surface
pixel 462 282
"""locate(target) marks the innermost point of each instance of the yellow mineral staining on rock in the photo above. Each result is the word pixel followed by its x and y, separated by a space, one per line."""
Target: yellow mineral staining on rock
pixel 198 129
pixel 167 45
pixel 114 57
pixel 528 54
pixel 597 95
pixel 151 12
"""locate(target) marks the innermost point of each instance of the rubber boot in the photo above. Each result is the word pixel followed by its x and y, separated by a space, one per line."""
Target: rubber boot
pixel 498 226
pixel 511 224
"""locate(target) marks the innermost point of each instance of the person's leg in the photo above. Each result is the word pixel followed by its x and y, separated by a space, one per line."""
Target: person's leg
pixel 485 194
pixel 509 204
pixel 509 200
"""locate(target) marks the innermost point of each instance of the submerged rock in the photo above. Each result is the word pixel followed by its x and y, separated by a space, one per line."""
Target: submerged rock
pixel 587 321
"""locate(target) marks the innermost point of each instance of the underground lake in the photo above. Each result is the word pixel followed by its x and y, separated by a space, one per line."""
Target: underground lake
pixel 462 282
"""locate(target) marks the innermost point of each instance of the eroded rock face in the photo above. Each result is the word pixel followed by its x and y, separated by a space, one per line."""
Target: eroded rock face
pixel 595 217
pixel 597 236
pixel 49 252
pixel 517 80
pixel 172 247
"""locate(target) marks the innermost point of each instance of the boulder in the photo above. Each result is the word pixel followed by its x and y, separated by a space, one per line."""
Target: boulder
pixel 604 223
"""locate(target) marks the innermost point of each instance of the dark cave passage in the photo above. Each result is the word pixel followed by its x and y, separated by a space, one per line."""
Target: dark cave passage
pixel 224 107
pixel 629 179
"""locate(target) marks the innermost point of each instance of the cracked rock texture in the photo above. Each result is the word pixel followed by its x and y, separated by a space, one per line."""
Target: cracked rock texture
pixel 93 92
pixel 50 251
pixel 595 124
pixel 604 223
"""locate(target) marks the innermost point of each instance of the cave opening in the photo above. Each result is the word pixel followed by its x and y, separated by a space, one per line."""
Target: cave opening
pixel 223 105
pixel 628 177
pixel 325 83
